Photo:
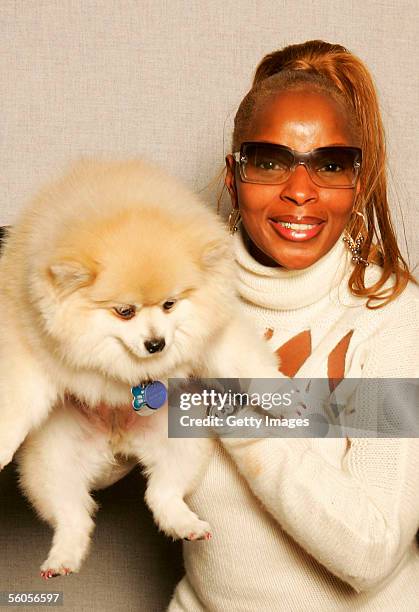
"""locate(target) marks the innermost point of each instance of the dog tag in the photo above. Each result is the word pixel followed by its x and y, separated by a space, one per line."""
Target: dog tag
pixel 155 394
pixel 148 397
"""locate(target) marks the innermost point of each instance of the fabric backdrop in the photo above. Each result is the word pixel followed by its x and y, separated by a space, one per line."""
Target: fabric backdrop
pixel 163 79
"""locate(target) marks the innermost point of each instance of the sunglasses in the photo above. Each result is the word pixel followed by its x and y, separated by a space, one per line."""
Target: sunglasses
pixel 266 163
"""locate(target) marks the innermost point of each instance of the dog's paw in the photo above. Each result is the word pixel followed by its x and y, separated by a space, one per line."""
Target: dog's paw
pixel 194 536
pixel 69 549
pixel 193 529
pixel 177 520
pixel 53 567
pixel 52 573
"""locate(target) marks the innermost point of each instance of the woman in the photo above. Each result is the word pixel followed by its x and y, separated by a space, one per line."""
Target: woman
pixel 314 524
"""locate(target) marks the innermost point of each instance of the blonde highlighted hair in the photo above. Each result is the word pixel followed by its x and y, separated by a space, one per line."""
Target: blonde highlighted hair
pixel 333 69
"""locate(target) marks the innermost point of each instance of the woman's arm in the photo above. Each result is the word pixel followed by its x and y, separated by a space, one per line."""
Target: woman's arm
pixel 354 506
pixel 356 513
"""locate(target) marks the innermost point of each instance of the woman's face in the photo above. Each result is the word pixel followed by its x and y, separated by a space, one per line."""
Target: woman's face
pixel 302 120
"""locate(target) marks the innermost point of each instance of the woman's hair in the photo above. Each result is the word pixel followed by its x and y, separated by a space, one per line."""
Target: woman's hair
pixel 332 69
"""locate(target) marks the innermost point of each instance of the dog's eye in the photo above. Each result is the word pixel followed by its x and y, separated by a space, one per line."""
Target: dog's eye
pixel 168 305
pixel 125 312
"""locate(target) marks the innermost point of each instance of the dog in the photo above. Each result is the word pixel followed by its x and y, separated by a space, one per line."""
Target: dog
pixel 115 274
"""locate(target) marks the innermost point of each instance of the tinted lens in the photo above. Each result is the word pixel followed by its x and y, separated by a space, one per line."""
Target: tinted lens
pixel 335 166
pixel 266 163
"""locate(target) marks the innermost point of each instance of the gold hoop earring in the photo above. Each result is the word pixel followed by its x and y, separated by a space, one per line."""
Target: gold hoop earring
pixel 233 221
pixel 355 246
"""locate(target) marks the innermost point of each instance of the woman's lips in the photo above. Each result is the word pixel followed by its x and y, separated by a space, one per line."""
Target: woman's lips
pixel 297 229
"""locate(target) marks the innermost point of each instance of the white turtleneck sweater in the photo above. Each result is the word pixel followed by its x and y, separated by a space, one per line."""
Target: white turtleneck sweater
pixel 318 525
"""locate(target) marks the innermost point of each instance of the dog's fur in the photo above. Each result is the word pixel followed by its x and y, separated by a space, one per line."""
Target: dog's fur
pixel 111 234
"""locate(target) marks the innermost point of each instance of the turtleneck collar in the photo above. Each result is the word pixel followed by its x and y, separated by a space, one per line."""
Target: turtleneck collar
pixel 282 289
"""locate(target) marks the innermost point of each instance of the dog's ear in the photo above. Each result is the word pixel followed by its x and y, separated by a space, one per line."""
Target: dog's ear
pixel 215 252
pixel 69 275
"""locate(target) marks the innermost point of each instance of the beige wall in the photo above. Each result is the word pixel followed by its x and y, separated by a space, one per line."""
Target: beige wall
pixel 163 79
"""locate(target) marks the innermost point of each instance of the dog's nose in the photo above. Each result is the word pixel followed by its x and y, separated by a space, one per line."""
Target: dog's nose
pixel 155 345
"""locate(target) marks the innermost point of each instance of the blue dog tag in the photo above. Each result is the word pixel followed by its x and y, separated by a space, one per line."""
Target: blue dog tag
pixel 139 397
pixel 155 394
pixel 148 397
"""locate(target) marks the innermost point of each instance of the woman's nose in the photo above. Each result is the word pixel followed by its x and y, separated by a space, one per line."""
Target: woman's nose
pixel 299 188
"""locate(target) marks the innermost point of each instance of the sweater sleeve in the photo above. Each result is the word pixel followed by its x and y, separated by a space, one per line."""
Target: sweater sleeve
pixel 352 504
pixel 355 510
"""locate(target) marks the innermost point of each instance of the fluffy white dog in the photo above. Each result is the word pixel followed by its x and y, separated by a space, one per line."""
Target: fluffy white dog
pixel 113 276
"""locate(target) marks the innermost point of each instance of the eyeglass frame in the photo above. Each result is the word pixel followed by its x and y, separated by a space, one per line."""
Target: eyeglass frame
pixel 299 160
